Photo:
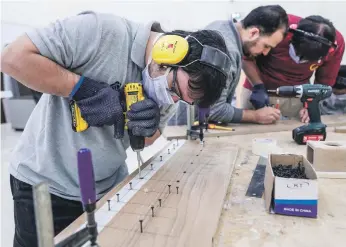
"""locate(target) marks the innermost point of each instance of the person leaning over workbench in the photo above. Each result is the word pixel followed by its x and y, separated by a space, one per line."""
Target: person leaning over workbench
pixel 293 62
pixel 261 30
pixel 80 58
pixel 336 103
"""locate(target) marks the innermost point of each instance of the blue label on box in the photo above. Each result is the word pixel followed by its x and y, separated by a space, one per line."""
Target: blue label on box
pixel 306 208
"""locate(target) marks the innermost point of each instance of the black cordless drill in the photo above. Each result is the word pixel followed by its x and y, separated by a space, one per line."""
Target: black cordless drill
pixel 310 95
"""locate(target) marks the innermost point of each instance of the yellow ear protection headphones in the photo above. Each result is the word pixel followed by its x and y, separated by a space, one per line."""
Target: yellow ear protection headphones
pixel 170 50
pixel 294 30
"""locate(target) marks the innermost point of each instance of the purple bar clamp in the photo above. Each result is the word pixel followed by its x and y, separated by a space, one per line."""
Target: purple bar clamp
pixel 203 114
pixel 86 176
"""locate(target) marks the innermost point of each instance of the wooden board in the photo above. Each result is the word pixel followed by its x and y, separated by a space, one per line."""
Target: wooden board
pixel 202 176
pixel 189 215
pixel 179 132
pixel 245 222
pixel 75 225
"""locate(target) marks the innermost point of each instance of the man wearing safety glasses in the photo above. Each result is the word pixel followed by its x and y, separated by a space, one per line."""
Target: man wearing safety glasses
pixel 312 45
pixel 89 58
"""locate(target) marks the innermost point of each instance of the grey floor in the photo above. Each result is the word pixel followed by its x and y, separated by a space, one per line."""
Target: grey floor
pixel 9 138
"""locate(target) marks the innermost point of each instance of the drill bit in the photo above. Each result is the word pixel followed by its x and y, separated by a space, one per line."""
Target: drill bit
pixel 201 135
pixel 271 90
pixel 139 164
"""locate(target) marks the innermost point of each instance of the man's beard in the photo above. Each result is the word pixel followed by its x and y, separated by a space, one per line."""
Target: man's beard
pixel 246 48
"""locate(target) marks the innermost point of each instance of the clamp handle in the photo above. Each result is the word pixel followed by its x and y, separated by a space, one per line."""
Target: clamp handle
pixel 86 177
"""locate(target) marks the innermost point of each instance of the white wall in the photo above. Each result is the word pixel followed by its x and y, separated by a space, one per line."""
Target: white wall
pixel 20 16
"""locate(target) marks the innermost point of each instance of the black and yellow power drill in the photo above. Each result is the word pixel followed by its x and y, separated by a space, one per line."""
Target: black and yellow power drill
pixel 310 95
pixel 133 93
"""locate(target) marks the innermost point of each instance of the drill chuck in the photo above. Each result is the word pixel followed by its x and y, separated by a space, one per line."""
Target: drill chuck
pixel 137 143
pixel 289 91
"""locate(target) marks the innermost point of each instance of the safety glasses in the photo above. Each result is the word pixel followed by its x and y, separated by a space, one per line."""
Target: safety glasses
pixel 175 90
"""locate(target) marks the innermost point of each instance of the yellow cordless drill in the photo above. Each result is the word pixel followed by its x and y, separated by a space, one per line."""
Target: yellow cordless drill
pixel 133 93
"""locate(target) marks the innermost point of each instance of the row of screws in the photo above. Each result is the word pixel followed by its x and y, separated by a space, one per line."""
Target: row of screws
pixel 169 192
pixel 160 200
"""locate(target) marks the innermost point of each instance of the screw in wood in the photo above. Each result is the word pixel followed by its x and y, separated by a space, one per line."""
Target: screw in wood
pixel 130 185
pixel 160 158
pixel 177 189
pixel 109 205
pixel 118 197
pixel 184 171
pixel 168 152
pixel 169 189
pixel 141 224
pixel 152 166
pixel 178 181
pixel 152 211
pixel 160 202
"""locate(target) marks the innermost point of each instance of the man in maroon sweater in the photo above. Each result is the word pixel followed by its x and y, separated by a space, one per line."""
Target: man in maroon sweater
pixel 292 62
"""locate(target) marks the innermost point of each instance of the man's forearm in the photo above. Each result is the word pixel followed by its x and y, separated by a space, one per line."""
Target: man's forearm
pixel 22 61
pixel 251 71
pixel 249 116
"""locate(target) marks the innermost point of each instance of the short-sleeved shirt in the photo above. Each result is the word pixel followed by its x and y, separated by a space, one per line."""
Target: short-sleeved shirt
pixel 278 69
pixel 103 47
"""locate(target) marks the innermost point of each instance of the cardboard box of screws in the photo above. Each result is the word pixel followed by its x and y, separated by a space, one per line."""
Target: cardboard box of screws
pixel 291 186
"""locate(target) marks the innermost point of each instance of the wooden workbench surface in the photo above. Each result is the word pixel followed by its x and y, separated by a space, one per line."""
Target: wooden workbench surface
pixel 244 221
pixel 179 132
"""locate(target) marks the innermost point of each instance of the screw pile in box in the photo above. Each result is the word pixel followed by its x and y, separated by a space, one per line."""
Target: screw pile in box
pixel 289 172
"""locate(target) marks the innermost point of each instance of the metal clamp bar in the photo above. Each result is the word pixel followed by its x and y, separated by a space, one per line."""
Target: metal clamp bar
pixel 43 215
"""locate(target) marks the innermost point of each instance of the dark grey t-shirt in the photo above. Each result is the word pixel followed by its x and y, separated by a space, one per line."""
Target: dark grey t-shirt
pixel 105 48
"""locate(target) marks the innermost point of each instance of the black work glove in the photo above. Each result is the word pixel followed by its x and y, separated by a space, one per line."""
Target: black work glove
pixel 144 118
pixel 259 97
pixel 100 105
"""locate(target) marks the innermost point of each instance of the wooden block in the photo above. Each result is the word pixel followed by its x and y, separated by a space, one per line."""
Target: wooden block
pixel 327 156
pixel 341 129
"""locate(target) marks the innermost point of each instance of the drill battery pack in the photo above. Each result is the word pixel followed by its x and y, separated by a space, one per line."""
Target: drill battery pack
pixel 310 132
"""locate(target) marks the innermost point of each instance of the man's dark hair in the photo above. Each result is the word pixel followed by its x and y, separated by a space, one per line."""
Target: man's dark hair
pixel 268 19
pixel 206 83
pixel 313 50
